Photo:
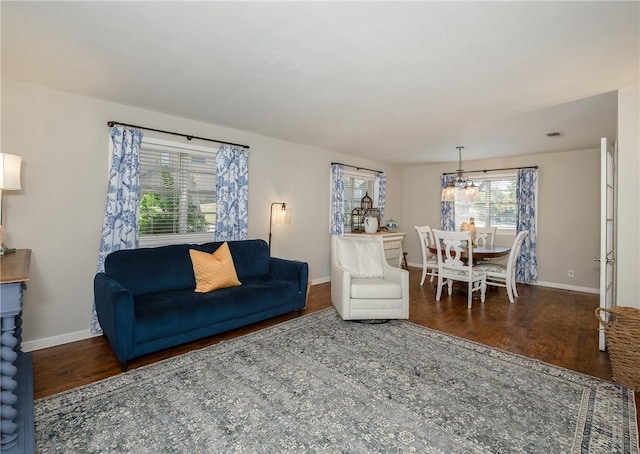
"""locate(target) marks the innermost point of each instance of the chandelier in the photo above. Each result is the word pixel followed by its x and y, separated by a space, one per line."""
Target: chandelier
pixel 468 189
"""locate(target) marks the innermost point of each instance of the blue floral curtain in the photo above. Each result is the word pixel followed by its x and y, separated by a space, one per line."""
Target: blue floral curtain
pixel 381 183
pixel 526 187
pixel 232 193
pixel 337 200
pixel 120 229
pixel 447 209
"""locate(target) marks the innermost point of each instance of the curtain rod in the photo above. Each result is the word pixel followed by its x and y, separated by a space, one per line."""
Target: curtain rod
pixel 490 170
pixel 188 136
pixel 357 168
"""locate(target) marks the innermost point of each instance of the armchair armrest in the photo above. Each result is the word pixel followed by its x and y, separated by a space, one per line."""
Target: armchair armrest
pixel 340 289
pixel 399 276
pixel 116 314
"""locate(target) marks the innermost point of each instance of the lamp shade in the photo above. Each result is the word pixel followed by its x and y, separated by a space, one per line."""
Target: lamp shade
pixel 10 171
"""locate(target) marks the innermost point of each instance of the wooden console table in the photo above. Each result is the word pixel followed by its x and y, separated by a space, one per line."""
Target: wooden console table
pixel 16 423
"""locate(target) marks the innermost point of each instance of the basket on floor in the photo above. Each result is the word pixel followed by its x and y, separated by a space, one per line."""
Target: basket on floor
pixel 623 342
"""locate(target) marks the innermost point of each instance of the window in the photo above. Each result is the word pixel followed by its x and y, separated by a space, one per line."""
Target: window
pixel 494 205
pixel 356 185
pixel 177 193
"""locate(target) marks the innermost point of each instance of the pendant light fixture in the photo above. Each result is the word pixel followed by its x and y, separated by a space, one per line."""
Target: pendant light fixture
pixel 468 189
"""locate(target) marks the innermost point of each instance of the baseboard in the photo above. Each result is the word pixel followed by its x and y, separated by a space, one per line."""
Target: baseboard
pixel 321 280
pixel 573 288
pixel 39 344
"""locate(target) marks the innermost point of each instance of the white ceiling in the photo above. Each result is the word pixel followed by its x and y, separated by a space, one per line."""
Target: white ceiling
pixel 398 82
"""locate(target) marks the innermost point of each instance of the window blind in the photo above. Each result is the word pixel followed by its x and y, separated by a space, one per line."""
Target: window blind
pixel 177 190
pixel 494 205
pixel 356 186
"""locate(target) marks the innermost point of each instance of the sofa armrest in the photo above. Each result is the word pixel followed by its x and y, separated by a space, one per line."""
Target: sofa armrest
pixel 116 314
pixel 294 270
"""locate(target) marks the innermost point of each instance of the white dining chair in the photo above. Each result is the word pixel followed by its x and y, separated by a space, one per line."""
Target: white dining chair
pixel 499 275
pixel 485 236
pixel 429 261
pixel 451 266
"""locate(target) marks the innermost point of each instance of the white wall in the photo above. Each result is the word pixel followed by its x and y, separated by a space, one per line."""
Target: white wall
pixel 64 142
pixel 568 212
pixel 628 250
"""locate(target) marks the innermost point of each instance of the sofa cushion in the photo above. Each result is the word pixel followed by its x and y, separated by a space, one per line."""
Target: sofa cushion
pixel 251 257
pixel 213 271
pixel 168 313
pixel 151 270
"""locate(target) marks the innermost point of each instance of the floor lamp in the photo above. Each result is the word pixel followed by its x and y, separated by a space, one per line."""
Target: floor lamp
pixel 283 213
pixel 9 181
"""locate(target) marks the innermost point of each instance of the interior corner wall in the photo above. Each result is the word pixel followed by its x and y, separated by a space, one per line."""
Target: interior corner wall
pixel 568 212
pixel 58 214
pixel 627 238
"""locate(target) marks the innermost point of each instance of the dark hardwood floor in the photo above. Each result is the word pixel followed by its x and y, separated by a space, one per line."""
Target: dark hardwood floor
pixel 554 326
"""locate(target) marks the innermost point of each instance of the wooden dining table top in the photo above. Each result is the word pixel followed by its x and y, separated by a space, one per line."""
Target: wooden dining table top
pixel 480 252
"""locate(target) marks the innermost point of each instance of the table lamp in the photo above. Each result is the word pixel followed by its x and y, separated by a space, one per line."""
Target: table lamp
pixel 9 181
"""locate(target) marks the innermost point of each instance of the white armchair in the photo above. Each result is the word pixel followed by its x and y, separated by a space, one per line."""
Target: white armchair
pixel 363 285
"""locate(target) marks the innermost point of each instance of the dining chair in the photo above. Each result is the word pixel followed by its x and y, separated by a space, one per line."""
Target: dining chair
pixel 485 236
pixel 452 267
pixel 499 275
pixel 429 261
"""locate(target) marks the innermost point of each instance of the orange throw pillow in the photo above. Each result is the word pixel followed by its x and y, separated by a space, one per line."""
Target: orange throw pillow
pixel 214 271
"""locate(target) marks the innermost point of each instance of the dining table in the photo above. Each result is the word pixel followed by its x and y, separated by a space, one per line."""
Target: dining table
pixel 479 252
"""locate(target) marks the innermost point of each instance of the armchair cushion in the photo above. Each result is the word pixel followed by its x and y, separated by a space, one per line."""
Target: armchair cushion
pixel 361 258
pixel 375 289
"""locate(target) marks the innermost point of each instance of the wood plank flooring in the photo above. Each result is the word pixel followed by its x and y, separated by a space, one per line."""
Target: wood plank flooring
pixel 554 326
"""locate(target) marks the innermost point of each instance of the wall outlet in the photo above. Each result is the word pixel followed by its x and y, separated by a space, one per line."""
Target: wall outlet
pixel 570 273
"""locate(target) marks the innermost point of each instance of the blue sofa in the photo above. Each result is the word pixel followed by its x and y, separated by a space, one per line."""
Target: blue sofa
pixel 146 302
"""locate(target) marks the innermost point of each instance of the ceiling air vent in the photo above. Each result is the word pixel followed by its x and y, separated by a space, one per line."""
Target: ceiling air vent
pixel 555 134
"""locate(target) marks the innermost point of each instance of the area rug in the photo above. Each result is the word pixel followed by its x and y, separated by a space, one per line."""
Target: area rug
pixel 320 384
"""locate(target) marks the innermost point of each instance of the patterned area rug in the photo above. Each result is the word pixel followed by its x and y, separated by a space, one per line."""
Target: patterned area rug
pixel 320 384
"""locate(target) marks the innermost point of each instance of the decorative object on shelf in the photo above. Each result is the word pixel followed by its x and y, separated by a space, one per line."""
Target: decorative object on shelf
pixel 468 189
pixel 357 221
pixel 391 225
pixel 281 218
pixel 470 227
pixel 370 224
pixel 9 181
pixel 358 215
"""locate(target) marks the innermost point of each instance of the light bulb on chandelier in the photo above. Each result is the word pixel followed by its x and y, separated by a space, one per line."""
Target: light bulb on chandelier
pixel 468 190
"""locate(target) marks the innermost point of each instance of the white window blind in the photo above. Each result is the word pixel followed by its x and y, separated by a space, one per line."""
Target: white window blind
pixel 356 186
pixel 494 205
pixel 177 192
